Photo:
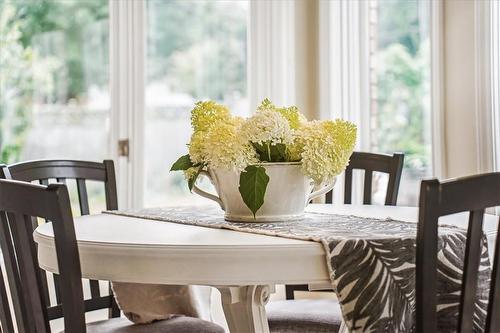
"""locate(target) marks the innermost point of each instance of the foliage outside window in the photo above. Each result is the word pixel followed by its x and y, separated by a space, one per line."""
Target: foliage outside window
pixel 54 62
pixel 54 77
pixel 196 50
pixel 400 88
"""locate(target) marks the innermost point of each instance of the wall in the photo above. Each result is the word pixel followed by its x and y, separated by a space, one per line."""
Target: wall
pixel 306 57
pixel 461 139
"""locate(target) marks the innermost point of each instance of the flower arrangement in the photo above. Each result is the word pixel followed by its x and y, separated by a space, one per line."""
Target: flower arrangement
pixel 272 134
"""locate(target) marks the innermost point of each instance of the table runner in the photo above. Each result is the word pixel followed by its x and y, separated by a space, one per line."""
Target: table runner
pixel 371 263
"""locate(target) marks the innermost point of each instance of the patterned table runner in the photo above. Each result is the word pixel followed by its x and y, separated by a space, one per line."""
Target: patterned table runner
pixel 371 263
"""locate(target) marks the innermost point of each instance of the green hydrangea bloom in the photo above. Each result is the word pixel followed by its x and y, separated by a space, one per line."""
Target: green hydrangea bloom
pixel 325 148
pixel 206 114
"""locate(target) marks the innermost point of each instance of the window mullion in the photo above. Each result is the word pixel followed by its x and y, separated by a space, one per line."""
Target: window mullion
pixel 127 66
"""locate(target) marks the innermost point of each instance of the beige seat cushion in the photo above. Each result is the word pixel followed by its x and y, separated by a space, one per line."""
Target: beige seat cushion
pixel 174 325
pixel 304 316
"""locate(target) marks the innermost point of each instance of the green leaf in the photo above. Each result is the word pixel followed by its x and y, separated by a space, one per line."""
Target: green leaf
pixel 262 151
pixel 279 152
pixel 192 180
pixel 183 163
pixel 253 185
pixel 270 152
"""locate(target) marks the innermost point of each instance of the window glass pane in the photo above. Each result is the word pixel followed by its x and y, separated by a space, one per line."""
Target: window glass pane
pixel 400 88
pixel 196 50
pixel 54 94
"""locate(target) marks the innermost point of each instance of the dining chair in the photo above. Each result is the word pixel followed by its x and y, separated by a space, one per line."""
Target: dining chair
pixel 371 162
pixel 20 203
pixel 43 171
pixel 471 194
pixel 323 315
pixel 82 172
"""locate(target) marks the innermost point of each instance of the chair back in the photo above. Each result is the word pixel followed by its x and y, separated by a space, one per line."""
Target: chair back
pixel 20 204
pixel 390 164
pixel 60 170
pixel 43 172
pixel 470 194
pixel 370 162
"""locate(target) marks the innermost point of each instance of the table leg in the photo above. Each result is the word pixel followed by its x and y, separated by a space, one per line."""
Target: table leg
pixel 244 307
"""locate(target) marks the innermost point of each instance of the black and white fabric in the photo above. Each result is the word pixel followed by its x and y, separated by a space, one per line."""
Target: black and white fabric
pixel 371 263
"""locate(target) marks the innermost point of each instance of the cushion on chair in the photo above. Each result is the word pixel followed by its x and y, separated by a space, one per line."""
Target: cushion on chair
pixel 304 316
pixel 174 325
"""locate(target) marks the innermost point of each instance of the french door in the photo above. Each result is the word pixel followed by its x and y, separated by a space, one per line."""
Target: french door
pixel 166 55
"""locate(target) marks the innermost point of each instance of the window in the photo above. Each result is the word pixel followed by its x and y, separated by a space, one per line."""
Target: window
pixel 399 90
pixel 54 93
pixel 378 61
pixel 195 51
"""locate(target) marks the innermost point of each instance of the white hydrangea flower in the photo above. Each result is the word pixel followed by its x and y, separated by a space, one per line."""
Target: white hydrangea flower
pixel 221 146
pixel 267 126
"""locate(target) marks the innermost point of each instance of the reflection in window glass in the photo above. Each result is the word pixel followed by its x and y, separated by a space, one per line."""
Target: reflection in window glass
pixel 196 50
pixel 400 89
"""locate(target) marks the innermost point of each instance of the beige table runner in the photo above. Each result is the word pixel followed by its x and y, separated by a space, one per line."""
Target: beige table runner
pixel 371 263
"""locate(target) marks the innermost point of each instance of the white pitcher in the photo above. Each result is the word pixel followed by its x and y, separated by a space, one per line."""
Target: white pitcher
pixel 288 193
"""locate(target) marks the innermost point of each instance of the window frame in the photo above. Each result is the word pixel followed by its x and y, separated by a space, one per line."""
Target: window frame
pixel 127 78
pixel 495 79
pixel 484 97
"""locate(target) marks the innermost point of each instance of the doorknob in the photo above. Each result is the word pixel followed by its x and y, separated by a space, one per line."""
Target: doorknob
pixel 123 147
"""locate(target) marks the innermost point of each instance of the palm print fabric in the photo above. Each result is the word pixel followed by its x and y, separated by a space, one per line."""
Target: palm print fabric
pixel 371 263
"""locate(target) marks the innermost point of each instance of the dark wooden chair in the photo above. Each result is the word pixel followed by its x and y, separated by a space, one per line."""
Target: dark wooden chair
pixel 312 315
pixel 370 162
pixel 470 194
pixel 81 171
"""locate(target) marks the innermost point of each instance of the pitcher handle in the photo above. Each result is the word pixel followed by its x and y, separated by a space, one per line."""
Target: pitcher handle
pixel 205 194
pixel 325 189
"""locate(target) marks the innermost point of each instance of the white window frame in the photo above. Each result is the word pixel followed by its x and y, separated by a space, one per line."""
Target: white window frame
pixel 127 66
pixel 484 112
pixel 495 79
pixel 438 142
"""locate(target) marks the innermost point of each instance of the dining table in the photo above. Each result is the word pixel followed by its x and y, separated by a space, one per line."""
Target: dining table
pixel 244 267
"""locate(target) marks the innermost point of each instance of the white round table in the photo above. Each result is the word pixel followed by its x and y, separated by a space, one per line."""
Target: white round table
pixel 244 267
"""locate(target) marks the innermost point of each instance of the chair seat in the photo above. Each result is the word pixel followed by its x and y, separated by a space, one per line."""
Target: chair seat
pixel 174 325
pixel 304 316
